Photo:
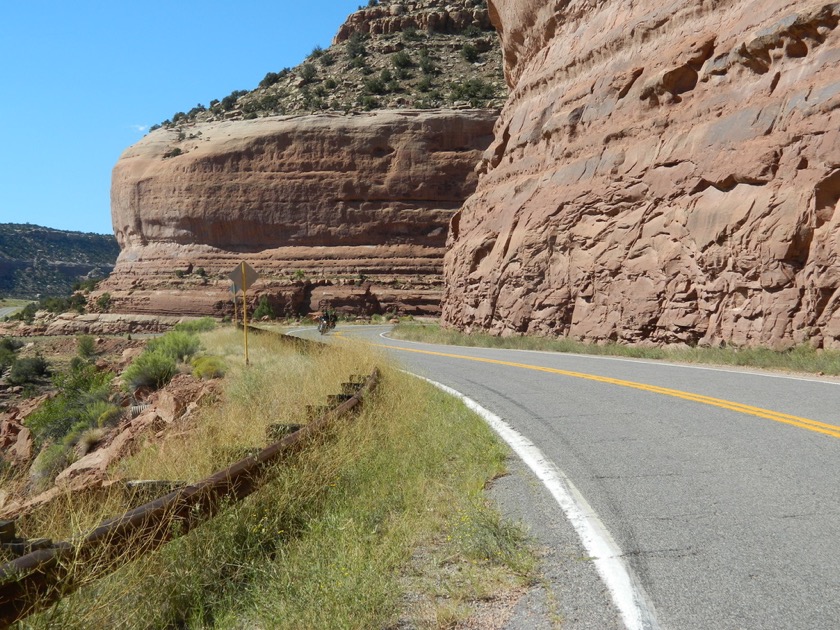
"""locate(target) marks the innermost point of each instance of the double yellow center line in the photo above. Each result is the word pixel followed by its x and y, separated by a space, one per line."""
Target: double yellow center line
pixel 802 423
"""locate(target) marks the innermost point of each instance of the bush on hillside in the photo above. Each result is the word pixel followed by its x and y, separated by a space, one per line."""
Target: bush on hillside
pixel 176 345
pixel 28 370
pixel 151 370
pixel 85 346
pixel 80 392
pixel 208 367
pixel 264 309
pixel 470 53
pixel 7 359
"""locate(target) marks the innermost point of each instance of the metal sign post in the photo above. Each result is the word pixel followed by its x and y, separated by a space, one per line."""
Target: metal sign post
pixel 243 277
pixel 235 307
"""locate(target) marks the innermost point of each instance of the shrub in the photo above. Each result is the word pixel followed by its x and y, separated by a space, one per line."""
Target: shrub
pixel 104 300
pixel 7 359
pixel 428 66
pixel 270 79
pixel 476 91
pixel 368 103
pixel 264 309
pixel 402 60
pixel 81 390
pixel 308 72
pixel 176 345
pixel 12 345
pixel 469 52
pixel 28 370
pixel 229 101
pixel 375 85
pixel 330 84
pixel 472 31
pixel 150 369
pixel 208 367
pixel 356 46
pixel 27 314
pixel 86 285
pixel 85 346
pixel 410 34
pixel 327 59
pixel 49 462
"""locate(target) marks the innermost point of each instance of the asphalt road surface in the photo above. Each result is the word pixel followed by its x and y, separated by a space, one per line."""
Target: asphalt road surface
pixel 720 488
pixel 9 310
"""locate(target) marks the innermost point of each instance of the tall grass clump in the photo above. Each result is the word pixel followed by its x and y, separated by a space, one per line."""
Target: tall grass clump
pixel 177 345
pixel 802 358
pixel 158 363
pixel 195 326
pixel 333 540
pixel 83 393
pixel 85 346
pixel 151 370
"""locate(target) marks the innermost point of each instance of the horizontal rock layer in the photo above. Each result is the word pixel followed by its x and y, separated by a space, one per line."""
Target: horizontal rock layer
pixel 351 209
pixel 435 16
pixel 662 171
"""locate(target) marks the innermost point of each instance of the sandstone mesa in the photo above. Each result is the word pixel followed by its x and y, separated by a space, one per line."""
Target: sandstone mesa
pixel 350 209
pixel 661 171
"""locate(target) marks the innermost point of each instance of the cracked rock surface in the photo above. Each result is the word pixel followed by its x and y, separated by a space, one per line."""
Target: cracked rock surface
pixel 661 172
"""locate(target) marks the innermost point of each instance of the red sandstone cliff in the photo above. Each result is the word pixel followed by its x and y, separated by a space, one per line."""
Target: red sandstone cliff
pixel 664 171
pixel 353 209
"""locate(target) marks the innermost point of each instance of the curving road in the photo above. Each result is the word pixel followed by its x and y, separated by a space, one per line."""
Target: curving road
pixel 720 488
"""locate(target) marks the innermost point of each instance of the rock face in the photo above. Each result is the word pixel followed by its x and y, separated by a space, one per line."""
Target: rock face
pixel 350 209
pixel 661 171
pixel 434 16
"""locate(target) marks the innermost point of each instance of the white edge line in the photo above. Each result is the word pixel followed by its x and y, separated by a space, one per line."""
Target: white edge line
pixel 687 366
pixel 627 594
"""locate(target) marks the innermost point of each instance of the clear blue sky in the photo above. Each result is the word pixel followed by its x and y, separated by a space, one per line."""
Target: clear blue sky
pixel 81 81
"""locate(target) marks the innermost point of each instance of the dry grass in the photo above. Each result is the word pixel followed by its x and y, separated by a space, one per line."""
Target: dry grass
pixel 798 359
pixel 328 543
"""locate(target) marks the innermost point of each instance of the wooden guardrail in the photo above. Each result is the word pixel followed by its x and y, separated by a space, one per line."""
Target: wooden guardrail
pixel 40 578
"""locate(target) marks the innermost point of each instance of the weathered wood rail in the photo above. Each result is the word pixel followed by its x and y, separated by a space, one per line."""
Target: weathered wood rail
pixel 40 578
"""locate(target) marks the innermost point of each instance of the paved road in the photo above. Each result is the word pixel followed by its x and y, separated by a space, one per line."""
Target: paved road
pixel 721 488
pixel 9 310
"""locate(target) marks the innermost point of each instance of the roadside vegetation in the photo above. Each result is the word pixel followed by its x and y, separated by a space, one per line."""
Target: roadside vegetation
pixel 801 358
pixel 383 523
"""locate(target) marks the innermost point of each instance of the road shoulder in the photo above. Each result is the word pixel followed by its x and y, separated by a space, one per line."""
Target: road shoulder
pixel 568 593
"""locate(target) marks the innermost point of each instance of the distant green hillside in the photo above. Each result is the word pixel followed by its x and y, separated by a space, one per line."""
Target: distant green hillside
pixel 35 260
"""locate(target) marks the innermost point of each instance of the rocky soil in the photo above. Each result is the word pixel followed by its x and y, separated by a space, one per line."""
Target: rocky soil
pixel 154 417
pixel 662 172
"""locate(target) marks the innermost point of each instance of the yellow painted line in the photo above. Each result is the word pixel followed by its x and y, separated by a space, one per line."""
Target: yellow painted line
pixel 802 423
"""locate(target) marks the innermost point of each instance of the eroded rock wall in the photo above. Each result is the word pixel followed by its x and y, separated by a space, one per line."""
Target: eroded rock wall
pixel 351 209
pixel 662 171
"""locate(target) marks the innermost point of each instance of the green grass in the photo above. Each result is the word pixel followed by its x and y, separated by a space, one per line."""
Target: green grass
pixel 389 508
pixel 9 302
pixel 798 359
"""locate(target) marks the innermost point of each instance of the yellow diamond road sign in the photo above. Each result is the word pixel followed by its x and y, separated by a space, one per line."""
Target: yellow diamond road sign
pixel 243 276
